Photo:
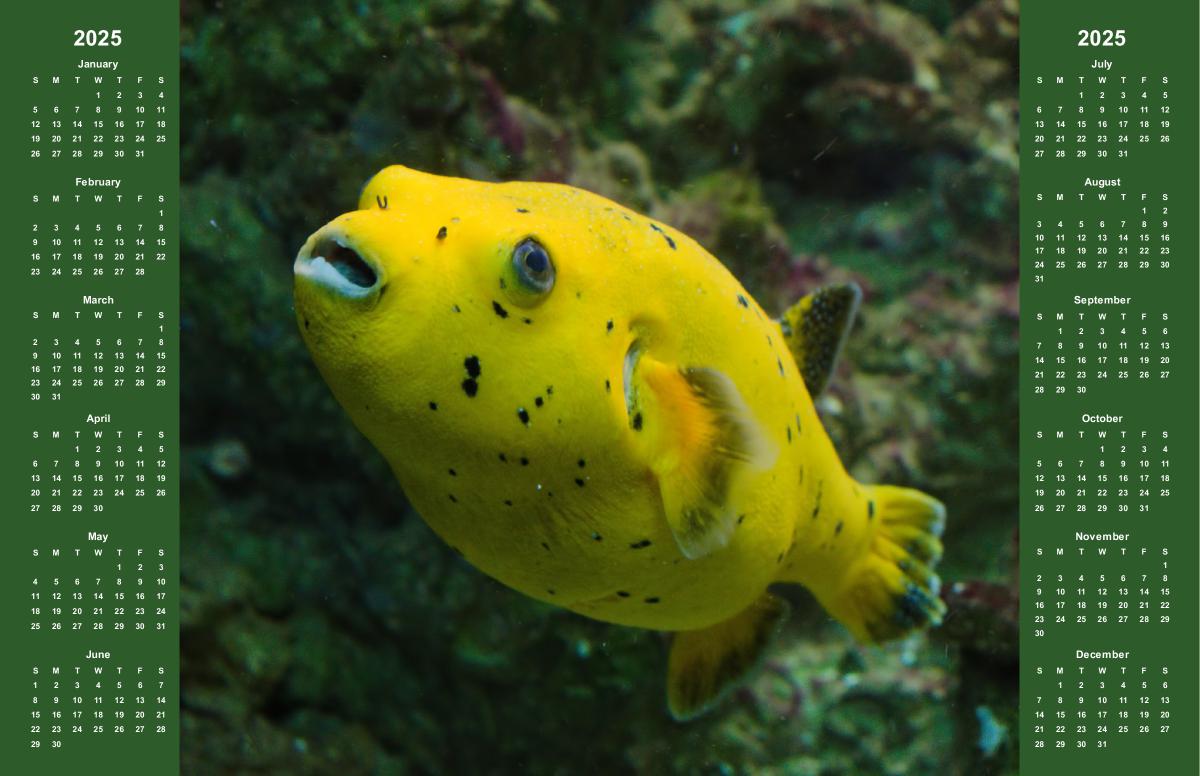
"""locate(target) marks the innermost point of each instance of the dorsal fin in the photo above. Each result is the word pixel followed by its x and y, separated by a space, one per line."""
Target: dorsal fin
pixel 700 440
pixel 815 328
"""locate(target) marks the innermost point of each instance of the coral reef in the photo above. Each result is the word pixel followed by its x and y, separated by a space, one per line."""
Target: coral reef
pixel 802 141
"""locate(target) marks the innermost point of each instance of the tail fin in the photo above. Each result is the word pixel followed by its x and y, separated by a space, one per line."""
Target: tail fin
pixel 893 590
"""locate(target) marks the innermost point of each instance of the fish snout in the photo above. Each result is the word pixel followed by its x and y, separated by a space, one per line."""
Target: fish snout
pixel 335 263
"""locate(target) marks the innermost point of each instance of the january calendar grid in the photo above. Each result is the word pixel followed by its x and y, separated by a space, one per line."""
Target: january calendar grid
pixel 1108 572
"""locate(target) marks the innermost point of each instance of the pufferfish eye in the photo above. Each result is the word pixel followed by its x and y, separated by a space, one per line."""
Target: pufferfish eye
pixel 533 266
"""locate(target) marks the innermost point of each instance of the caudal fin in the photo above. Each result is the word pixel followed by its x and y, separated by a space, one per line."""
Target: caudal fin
pixel 893 590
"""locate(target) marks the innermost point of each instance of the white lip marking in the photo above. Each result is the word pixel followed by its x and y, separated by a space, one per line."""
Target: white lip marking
pixel 320 271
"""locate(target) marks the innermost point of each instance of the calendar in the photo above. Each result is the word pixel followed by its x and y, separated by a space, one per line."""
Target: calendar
pixel 1108 402
pixel 91 566
pixel 963 234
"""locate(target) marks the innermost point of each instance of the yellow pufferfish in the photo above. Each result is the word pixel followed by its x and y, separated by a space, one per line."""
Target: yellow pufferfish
pixel 590 408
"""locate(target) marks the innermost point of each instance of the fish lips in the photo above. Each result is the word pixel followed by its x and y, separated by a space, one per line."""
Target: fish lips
pixel 332 262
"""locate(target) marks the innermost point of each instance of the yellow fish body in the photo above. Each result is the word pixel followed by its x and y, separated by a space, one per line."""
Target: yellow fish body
pixel 591 409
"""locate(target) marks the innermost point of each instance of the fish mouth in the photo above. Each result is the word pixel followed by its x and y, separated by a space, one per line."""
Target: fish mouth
pixel 331 260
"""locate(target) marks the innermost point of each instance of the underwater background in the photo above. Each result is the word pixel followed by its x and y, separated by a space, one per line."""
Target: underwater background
pixel 326 630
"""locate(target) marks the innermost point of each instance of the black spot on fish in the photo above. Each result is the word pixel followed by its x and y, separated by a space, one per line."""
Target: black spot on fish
pixel 837 529
pixel 597 537
pixel 470 387
pixel 472 366
pixel 550 590
pixel 653 599
pixel 433 406
pixel 579 482
pixel 456 309
pixel 545 547
pixel 522 210
pixel 798 430
pixel 622 594
pixel 503 284
pixel 499 309
pixel 801 474
pixel 607 387
pixel 779 361
pixel 789 434
pixel 523 415
pixel 503 457
pixel 441 235
pixel 452 498
pixel 381 201
pixel 870 510
pixel 780 558
pixel 549 390
pixel 608 326
pixel 524 461
pixel 743 301
pixel 637 421
pixel 643 544
pixel 306 323
pixel 582 463
pixel 658 229
pixel 627 218
pixel 817 506
pixel 740 519
pixel 538 401
pixel 453 473
pixel 507 502
pixel 527 321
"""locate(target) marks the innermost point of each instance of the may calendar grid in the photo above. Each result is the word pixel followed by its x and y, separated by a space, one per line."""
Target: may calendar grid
pixel 1108 665
pixel 90 563
pixel 1110 389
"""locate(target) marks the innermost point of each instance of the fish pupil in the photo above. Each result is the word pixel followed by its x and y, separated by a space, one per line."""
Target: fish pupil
pixel 536 261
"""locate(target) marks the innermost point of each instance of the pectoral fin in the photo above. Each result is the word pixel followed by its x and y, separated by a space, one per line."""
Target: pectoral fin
pixel 701 441
pixel 816 327
pixel 706 664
